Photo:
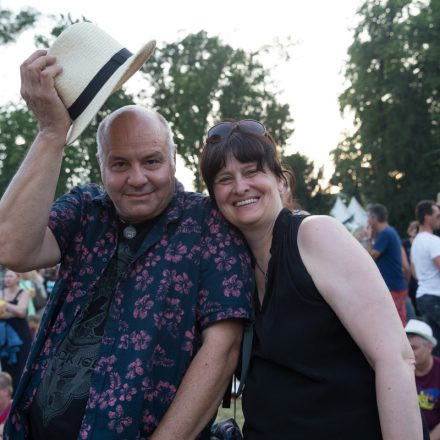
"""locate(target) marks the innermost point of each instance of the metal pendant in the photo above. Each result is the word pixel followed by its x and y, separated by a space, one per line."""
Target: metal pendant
pixel 129 232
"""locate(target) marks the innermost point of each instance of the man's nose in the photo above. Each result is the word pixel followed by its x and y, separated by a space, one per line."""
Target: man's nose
pixel 137 176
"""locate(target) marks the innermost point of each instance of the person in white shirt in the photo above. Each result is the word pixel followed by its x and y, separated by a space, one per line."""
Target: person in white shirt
pixel 425 262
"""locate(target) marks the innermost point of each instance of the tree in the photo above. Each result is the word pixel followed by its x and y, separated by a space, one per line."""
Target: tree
pixel 393 157
pixel 200 80
pixel 11 25
pixel 309 192
pixel 18 128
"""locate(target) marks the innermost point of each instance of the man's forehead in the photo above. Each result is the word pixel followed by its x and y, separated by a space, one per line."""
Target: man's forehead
pixel 413 339
pixel 134 132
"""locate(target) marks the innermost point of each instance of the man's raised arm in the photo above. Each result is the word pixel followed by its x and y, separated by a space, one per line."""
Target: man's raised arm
pixel 25 240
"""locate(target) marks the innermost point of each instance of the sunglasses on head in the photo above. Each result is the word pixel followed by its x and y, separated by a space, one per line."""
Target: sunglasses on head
pixel 222 129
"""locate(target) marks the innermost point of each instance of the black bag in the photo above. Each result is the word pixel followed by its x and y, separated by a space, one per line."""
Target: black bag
pixel 226 430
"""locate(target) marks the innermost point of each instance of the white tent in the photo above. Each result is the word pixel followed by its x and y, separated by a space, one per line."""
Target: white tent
pixel 340 211
pixel 352 216
pixel 359 213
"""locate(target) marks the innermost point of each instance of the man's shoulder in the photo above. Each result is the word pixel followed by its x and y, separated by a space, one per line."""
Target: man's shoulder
pixel 436 365
pixel 88 192
pixel 391 232
pixel 194 201
pixel 425 238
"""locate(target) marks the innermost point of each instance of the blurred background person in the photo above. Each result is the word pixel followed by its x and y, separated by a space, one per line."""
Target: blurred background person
pixel 385 248
pixel 427 373
pixel 413 229
pixel 425 258
pixel 34 282
pixel 34 324
pixel 6 391
pixel 14 312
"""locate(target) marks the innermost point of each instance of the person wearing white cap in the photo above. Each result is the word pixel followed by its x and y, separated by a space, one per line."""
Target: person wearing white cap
pixel 427 373
pixel 142 331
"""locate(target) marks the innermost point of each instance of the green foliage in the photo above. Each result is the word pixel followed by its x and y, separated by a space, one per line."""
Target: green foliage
pixel 393 69
pixel 200 80
pixel 11 25
pixel 309 192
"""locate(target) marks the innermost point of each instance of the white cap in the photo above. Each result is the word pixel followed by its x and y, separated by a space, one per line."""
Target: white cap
pixel 422 329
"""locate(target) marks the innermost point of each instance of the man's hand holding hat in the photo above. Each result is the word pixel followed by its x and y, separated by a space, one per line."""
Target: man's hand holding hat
pixel 38 74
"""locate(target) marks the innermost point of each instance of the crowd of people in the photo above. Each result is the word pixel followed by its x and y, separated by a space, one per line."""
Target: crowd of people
pixel 155 285
pixel 23 297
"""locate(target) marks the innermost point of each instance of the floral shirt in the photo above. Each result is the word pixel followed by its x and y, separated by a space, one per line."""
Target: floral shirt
pixel 192 270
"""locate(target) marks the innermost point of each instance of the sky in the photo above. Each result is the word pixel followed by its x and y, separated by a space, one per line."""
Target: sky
pixel 310 82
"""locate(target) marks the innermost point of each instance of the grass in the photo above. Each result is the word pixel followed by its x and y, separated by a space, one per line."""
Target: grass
pixel 227 413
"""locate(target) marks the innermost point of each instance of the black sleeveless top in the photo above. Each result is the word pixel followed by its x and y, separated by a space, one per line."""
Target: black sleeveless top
pixel 308 379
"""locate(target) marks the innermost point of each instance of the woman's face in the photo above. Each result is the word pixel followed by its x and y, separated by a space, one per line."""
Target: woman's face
pixel 246 196
pixel 11 278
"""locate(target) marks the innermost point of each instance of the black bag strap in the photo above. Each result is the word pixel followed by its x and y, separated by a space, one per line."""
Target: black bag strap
pixel 246 355
pixel 246 352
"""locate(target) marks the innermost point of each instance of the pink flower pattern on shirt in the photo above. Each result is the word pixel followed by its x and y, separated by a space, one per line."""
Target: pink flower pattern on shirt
pixel 191 271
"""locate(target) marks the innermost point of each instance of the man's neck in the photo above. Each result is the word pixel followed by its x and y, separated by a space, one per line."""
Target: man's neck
pixel 424 369
pixel 426 228
pixel 381 226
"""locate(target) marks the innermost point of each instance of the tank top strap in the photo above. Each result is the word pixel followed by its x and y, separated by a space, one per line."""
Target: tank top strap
pixel 17 295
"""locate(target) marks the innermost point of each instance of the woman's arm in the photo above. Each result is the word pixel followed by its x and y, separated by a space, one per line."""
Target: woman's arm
pixel 351 284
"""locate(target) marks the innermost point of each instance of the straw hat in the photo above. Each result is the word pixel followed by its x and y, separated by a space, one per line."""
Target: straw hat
pixel 94 66
pixel 422 329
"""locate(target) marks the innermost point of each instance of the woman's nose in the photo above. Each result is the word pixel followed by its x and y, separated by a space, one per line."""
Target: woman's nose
pixel 241 185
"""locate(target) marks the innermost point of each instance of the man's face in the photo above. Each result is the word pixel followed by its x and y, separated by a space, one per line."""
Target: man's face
pixel 422 350
pixel 433 220
pixel 136 167
pixel 372 221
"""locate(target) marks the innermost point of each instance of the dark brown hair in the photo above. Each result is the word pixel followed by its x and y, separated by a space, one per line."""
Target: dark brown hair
pixel 424 208
pixel 246 147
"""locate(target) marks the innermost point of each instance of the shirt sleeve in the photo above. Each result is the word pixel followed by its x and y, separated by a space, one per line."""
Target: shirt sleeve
pixel 65 218
pixel 381 242
pixel 226 278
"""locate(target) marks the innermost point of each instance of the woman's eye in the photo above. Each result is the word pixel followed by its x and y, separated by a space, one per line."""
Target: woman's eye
pixel 252 172
pixel 224 179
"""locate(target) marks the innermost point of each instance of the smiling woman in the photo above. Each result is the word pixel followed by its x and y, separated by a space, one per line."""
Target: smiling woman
pixel 314 340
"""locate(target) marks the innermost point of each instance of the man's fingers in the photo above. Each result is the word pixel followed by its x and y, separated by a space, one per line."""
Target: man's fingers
pixel 34 56
pixel 48 74
pixel 37 65
pixel 38 71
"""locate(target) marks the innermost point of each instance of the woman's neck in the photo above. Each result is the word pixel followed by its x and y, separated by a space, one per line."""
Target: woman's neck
pixel 12 290
pixel 259 241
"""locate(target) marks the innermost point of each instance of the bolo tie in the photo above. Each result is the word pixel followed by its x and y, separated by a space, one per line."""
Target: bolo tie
pixel 129 231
